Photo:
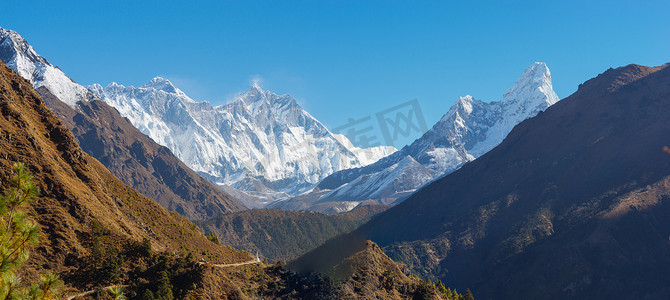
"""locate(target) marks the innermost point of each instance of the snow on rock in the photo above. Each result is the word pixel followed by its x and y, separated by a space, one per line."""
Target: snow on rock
pixel 532 93
pixel 469 129
pixel 366 155
pixel 260 142
pixel 18 55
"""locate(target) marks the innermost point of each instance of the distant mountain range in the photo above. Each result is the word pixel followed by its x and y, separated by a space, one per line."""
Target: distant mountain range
pixel 574 203
pixel 468 130
pixel 263 148
pixel 103 133
pixel 261 143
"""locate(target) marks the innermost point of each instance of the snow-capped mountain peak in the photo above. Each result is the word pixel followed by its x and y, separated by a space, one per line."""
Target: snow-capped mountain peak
pixel 469 129
pixel 255 87
pixel 255 95
pixel 19 45
pixel 464 104
pixel 260 142
pixel 20 56
pixel 532 93
pixel 533 88
pixel 162 84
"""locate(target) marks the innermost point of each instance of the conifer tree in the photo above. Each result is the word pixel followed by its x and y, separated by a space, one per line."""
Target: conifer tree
pixel 468 295
pixel 442 288
pixel 17 235
pixel 164 291
pixel 117 293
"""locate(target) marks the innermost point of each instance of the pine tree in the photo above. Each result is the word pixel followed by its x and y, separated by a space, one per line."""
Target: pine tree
pixel 148 295
pixel 164 291
pixel 468 295
pixel 442 288
pixel 17 236
pixel 214 238
pixel 117 293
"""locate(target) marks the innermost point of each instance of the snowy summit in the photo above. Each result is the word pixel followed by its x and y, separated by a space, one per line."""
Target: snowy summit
pixel 261 142
pixel 469 129
pixel 20 56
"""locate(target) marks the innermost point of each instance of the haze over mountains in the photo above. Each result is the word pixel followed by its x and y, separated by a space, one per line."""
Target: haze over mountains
pixel 469 129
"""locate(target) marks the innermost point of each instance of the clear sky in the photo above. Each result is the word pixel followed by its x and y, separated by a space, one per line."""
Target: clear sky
pixel 343 59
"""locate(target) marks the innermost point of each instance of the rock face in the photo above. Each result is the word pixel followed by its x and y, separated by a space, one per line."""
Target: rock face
pixel 261 143
pixel 572 204
pixel 468 130
pixel 103 133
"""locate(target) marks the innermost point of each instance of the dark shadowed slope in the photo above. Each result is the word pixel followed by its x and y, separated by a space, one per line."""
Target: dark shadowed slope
pixel 573 203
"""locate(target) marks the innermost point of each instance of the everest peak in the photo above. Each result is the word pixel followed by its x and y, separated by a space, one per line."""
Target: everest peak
pixel 163 84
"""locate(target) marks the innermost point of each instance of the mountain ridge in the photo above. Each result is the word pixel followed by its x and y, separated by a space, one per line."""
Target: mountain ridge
pixel 287 150
pixel 469 129
pixel 97 231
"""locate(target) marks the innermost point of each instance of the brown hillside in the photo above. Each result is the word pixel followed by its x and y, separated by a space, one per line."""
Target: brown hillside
pixel 370 274
pixel 139 162
pixel 366 274
pixel 77 190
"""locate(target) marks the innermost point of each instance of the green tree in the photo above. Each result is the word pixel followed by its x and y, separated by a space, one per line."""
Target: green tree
pixel 442 288
pixel 468 295
pixel 17 236
pixel 148 295
pixel 214 238
pixel 164 291
pixel 145 247
pixel 117 293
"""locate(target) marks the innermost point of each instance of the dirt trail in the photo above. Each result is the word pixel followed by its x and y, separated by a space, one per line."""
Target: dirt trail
pixel 251 262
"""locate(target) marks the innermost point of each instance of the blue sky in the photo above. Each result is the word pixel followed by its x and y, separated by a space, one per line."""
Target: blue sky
pixel 343 59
